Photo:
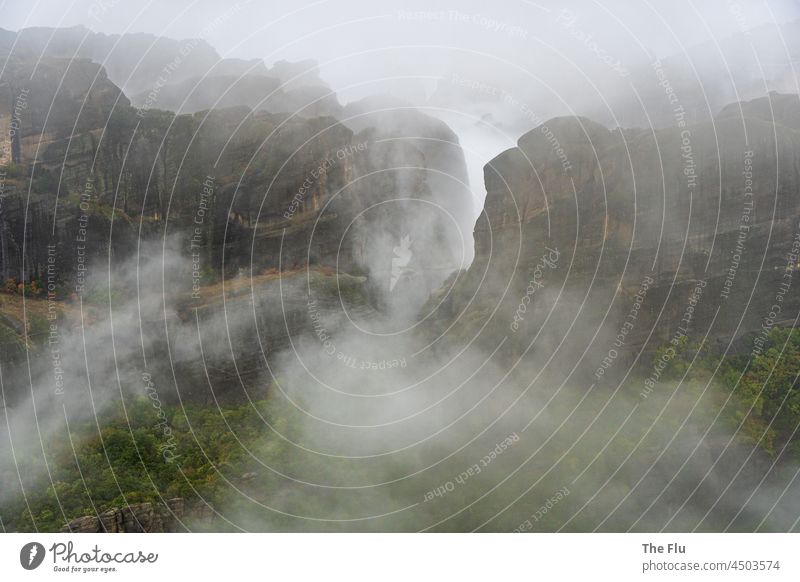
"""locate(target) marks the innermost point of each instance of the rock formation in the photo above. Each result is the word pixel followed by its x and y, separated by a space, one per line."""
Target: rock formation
pixel 171 517
pixel 703 217
pixel 232 192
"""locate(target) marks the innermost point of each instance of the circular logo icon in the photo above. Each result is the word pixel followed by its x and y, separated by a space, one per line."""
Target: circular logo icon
pixel 31 555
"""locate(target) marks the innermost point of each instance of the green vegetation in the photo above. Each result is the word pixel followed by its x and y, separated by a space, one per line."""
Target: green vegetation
pixel 133 458
pixel 761 394
pixel 149 452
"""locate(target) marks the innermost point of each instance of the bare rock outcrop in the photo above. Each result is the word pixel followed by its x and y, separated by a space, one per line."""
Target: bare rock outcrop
pixel 142 518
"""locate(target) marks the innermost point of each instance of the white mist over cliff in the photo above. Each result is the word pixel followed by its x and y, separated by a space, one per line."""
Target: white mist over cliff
pixel 392 423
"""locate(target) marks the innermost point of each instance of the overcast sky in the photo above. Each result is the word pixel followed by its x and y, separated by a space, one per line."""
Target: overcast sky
pixel 360 41
pixel 298 29
pixel 570 51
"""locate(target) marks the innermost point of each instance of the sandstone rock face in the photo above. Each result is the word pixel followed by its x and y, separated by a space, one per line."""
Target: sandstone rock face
pixel 41 102
pixel 705 218
pixel 700 78
pixel 257 92
pixel 259 182
pixel 98 185
pixel 134 61
pixel 141 518
pixel 183 76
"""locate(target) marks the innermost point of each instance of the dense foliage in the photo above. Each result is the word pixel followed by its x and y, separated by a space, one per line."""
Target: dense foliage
pixel 121 456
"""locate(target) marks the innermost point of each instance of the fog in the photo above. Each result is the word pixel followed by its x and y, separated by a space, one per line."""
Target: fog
pixel 492 73
pixel 389 424
pixel 383 430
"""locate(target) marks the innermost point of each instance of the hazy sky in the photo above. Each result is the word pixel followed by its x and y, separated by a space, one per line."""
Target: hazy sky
pixel 365 40
pixel 563 49
pixel 304 28
pixel 361 41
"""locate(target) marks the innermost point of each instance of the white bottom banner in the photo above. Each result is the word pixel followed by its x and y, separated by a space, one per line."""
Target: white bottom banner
pixel 356 557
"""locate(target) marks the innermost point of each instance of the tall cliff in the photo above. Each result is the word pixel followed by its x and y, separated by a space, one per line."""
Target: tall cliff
pixel 686 231
pixel 185 75
pixel 98 186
